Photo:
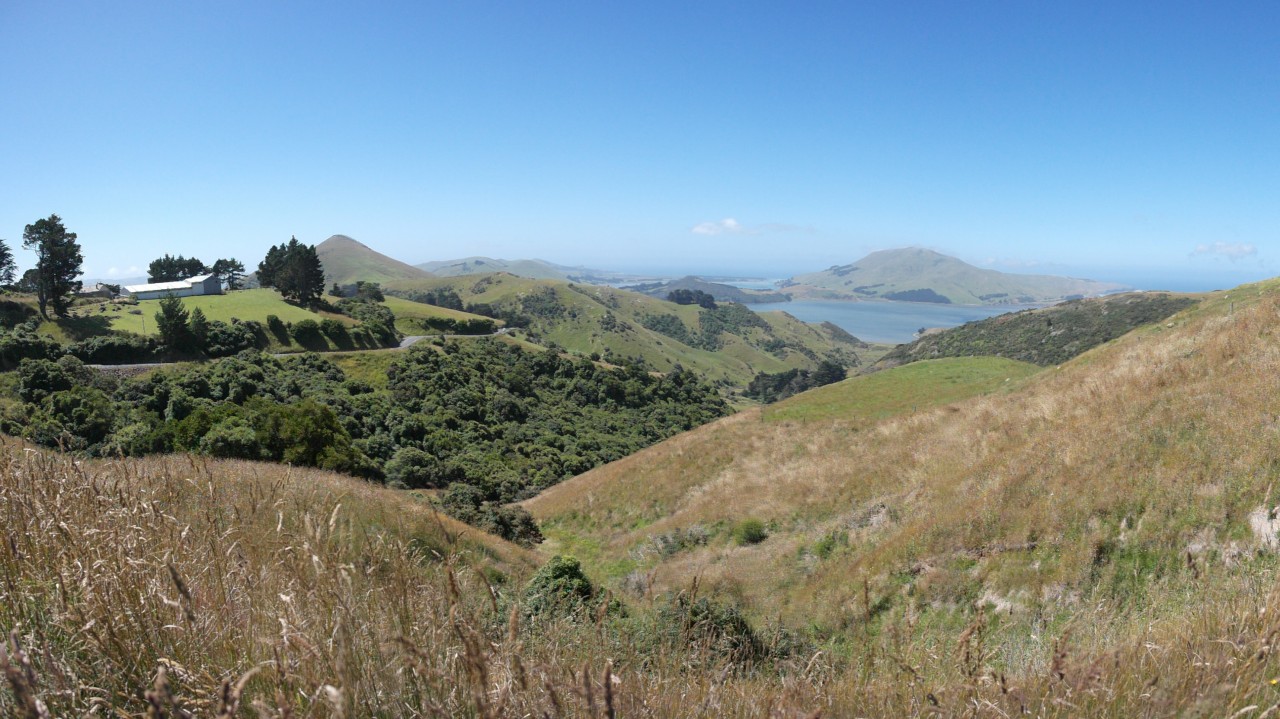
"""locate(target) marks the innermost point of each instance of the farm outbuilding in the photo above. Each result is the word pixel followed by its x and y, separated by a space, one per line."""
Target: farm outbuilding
pixel 190 287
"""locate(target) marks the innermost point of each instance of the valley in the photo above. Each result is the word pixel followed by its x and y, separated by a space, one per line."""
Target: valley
pixel 1041 490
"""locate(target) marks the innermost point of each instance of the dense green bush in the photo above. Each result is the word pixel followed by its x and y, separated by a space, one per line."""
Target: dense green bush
pixel 24 343
pixel 749 531
pixel 307 333
pixel 710 625
pixel 116 349
pixel 483 413
pixel 766 387
pixel 512 522
pixel 559 587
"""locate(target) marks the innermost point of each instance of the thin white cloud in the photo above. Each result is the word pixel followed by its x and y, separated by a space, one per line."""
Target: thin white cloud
pixel 727 226
pixel 1230 250
pixel 730 226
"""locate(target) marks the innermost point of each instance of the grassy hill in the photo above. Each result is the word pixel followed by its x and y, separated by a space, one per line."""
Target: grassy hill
pixel 256 305
pixel 347 261
pixel 1097 528
pixel 1045 336
pixel 920 275
pixel 729 347
pixel 721 292
pixel 531 269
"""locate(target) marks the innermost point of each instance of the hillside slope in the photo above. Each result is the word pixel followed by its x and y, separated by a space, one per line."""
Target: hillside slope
pixel 1097 496
pixel 728 346
pixel 347 262
pixel 205 571
pixel 1048 335
pixel 920 275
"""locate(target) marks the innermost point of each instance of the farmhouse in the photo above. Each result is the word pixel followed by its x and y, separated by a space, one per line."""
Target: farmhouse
pixel 190 287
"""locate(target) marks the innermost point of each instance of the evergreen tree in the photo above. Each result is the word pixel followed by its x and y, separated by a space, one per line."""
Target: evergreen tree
pixel 171 322
pixel 58 261
pixel 172 269
pixel 198 327
pixel 8 267
pixel 295 270
pixel 230 272
pixel 270 266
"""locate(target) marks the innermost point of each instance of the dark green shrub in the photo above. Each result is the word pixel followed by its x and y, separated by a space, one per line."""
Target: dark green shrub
pixel 711 625
pixel 39 378
pixel 412 468
pixel 558 587
pixel 232 437
pixel 307 333
pixel 24 343
pixel 749 531
pixel 278 329
pixel 116 349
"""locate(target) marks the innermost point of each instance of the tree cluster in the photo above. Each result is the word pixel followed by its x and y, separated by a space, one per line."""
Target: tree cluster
pixel 692 297
pixel 171 269
pixel 295 270
pixel 767 388
pixel 229 272
pixel 477 412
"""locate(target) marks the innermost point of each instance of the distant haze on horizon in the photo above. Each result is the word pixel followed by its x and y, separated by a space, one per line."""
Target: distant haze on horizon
pixel 1130 142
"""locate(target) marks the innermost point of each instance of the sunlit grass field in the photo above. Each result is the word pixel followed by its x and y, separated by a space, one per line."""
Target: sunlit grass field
pixel 912 387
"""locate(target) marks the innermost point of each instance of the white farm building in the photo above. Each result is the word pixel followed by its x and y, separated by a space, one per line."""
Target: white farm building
pixel 190 287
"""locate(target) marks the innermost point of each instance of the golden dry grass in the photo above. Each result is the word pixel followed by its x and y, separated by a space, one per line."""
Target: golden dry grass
pixel 1109 493
pixel 1003 556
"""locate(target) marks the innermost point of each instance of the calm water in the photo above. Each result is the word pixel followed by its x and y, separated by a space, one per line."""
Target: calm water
pixel 881 321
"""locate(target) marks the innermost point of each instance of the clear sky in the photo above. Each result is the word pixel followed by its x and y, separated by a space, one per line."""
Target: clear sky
pixel 1117 140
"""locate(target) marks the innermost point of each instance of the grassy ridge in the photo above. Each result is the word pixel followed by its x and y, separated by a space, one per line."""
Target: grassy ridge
pixel 587 319
pixel 1046 336
pixel 906 389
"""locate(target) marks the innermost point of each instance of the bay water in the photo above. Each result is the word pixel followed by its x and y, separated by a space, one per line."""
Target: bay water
pixel 885 321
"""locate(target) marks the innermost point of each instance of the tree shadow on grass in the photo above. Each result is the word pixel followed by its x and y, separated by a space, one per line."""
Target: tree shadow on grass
pixel 80 328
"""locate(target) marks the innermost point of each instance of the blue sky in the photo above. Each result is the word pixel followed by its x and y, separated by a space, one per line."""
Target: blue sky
pixel 1129 141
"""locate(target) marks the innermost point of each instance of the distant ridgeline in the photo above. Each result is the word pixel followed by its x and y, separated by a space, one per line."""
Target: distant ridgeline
pixel 717 291
pixel 1047 336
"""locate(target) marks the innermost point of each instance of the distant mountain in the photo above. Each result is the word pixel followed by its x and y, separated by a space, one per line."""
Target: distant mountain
pixel 918 275
pixel 347 261
pixel 531 269
pixel 722 292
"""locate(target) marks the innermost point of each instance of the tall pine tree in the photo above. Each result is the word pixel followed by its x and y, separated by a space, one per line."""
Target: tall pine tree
pixel 58 261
